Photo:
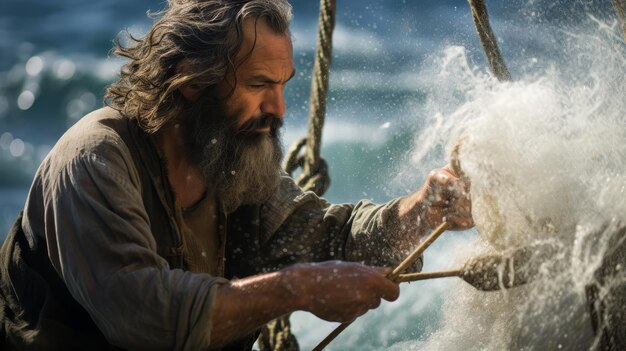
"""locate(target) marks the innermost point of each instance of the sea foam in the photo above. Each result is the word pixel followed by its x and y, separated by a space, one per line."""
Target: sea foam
pixel 546 156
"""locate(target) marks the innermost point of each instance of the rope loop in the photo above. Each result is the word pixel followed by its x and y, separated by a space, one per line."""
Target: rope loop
pixel 291 162
pixel 317 180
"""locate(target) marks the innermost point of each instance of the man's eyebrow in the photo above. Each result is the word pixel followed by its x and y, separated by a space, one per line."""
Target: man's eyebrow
pixel 265 79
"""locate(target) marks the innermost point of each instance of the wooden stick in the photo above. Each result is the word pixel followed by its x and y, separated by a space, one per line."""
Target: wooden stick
pixel 331 336
pixel 419 250
pixel 488 40
pixel 413 277
pixel 394 275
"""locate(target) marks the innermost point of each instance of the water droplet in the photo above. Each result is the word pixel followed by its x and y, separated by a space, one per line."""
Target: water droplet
pixel 34 66
pixel 25 100
pixel 64 69
pixel 17 148
pixel 75 109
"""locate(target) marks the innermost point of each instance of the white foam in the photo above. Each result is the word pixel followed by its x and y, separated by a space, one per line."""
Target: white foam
pixel 546 156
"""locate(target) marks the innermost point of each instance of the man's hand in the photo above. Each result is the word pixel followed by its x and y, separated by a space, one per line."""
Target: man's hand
pixel 341 291
pixel 334 291
pixel 443 197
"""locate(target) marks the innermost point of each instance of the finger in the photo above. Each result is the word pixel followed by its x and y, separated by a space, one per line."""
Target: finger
pixel 383 270
pixel 460 222
pixel 348 319
pixel 460 207
pixel 440 177
pixel 374 304
pixel 447 170
pixel 361 312
pixel 434 216
pixel 390 291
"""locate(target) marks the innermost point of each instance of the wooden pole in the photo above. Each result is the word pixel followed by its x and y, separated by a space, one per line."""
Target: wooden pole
pixel 488 40
pixel 620 9
pixel 413 277
pixel 419 250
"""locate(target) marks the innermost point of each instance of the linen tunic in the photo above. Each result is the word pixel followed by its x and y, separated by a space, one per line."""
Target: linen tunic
pixel 86 208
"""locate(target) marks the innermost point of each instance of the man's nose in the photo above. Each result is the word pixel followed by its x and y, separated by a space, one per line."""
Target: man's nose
pixel 274 102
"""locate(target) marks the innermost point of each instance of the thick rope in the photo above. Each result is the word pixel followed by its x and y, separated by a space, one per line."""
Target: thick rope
pixel 277 334
pixel 488 40
pixel 319 85
pixel 620 9
pixel 315 176
pixel 317 182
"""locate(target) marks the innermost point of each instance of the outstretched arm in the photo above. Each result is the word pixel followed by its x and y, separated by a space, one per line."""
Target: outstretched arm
pixel 301 227
pixel 333 290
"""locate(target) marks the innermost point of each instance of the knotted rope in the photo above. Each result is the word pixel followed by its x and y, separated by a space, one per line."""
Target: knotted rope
pixel 488 40
pixel 317 180
pixel 277 336
pixel 314 176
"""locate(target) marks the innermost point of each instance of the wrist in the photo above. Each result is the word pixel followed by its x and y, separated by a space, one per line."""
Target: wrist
pixel 411 206
pixel 293 283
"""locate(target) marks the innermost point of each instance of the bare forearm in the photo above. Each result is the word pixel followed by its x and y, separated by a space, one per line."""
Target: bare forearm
pixel 332 290
pixel 444 198
pixel 246 304
pixel 406 226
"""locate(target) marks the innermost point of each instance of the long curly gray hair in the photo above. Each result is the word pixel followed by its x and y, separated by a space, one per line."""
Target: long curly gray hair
pixel 207 34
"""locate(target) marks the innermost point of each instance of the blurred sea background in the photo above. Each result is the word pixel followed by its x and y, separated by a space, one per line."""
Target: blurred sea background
pixel 387 59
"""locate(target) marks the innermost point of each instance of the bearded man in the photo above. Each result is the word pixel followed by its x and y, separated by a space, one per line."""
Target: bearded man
pixel 163 221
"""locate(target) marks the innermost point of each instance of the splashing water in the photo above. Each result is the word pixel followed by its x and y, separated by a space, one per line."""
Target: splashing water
pixel 546 156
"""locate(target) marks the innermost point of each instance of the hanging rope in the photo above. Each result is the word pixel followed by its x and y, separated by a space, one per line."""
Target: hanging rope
pixel 488 40
pixel 620 9
pixel 314 176
pixel 277 336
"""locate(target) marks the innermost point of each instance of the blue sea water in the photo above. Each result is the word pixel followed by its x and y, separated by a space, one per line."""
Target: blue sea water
pixel 55 65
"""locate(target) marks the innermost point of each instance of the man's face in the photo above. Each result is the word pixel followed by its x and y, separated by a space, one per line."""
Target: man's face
pixel 259 80
pixel 236 143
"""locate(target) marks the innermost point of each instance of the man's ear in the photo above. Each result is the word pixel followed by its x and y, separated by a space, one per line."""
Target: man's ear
pixel 191 92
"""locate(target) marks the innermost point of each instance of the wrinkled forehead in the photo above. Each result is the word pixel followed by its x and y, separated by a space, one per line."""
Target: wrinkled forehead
pixel 259 38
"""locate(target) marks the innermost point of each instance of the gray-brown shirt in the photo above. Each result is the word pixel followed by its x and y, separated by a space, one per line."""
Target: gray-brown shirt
pixel 86 202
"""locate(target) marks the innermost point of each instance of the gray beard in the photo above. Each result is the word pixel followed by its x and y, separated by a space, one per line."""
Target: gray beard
pixel 243 169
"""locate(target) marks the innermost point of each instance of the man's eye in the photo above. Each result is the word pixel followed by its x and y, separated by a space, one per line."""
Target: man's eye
pixel 256 86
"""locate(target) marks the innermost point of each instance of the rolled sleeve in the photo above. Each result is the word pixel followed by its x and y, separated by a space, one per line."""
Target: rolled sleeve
pixel 306 228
